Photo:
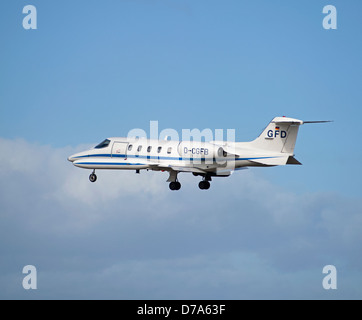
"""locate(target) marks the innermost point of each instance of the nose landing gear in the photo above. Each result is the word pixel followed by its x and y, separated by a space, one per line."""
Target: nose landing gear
pixel 93 176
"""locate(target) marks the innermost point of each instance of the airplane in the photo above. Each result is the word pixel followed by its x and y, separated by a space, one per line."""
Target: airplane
pixel 274 147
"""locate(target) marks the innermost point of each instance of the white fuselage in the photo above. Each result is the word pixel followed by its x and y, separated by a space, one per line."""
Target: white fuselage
pixel 137 154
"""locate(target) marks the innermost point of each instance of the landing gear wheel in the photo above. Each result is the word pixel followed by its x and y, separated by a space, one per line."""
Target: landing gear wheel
pixel 93 177
pixel 204 185
pixel 175 185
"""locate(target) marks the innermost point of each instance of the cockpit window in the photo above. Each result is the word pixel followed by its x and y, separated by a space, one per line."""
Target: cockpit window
pixel 103 144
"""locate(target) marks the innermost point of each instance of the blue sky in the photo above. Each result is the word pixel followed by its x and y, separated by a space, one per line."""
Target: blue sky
pixel 95 69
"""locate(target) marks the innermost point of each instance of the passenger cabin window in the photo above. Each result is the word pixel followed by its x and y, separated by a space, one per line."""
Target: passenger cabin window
pixel 169 150
pixel 103 144
pixel 139 148
pixel 130 147
pixel 159 149
pixel 149 149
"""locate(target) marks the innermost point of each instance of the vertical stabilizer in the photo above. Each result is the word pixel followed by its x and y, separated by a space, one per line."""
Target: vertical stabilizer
pixel 279 136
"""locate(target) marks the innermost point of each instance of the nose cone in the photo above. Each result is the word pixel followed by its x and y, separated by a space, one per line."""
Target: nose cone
pixel 74 157
pixel 78 156
pixel 71 158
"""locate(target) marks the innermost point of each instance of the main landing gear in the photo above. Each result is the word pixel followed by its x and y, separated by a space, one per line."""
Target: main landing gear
pixel 204 185
pixel 93 176
pixel 175 185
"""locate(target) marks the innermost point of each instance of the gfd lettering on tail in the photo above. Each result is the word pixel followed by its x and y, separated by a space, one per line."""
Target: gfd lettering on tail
pixel 276 133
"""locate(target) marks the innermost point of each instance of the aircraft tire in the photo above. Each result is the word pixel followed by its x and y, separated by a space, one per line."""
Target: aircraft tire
pixel 93 177
pixel 173 186
pixel 204 185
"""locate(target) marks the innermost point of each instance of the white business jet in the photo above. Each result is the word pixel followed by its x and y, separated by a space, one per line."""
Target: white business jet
pixel 274 147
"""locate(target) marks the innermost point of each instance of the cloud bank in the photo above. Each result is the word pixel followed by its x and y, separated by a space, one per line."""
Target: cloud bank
pixel 128 237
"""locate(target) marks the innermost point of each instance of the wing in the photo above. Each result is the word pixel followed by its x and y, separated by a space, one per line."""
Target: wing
pixel 214 172
pixel 158 167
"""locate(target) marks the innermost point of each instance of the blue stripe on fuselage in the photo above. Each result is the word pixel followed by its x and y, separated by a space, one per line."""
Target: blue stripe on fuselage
pixel 111 164
pixel 161 157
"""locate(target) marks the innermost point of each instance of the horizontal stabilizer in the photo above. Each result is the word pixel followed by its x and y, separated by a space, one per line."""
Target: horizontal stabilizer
pixel 324 121
pixel 292 160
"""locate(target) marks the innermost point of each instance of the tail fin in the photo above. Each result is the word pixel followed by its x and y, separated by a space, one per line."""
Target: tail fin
pixel 279 136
